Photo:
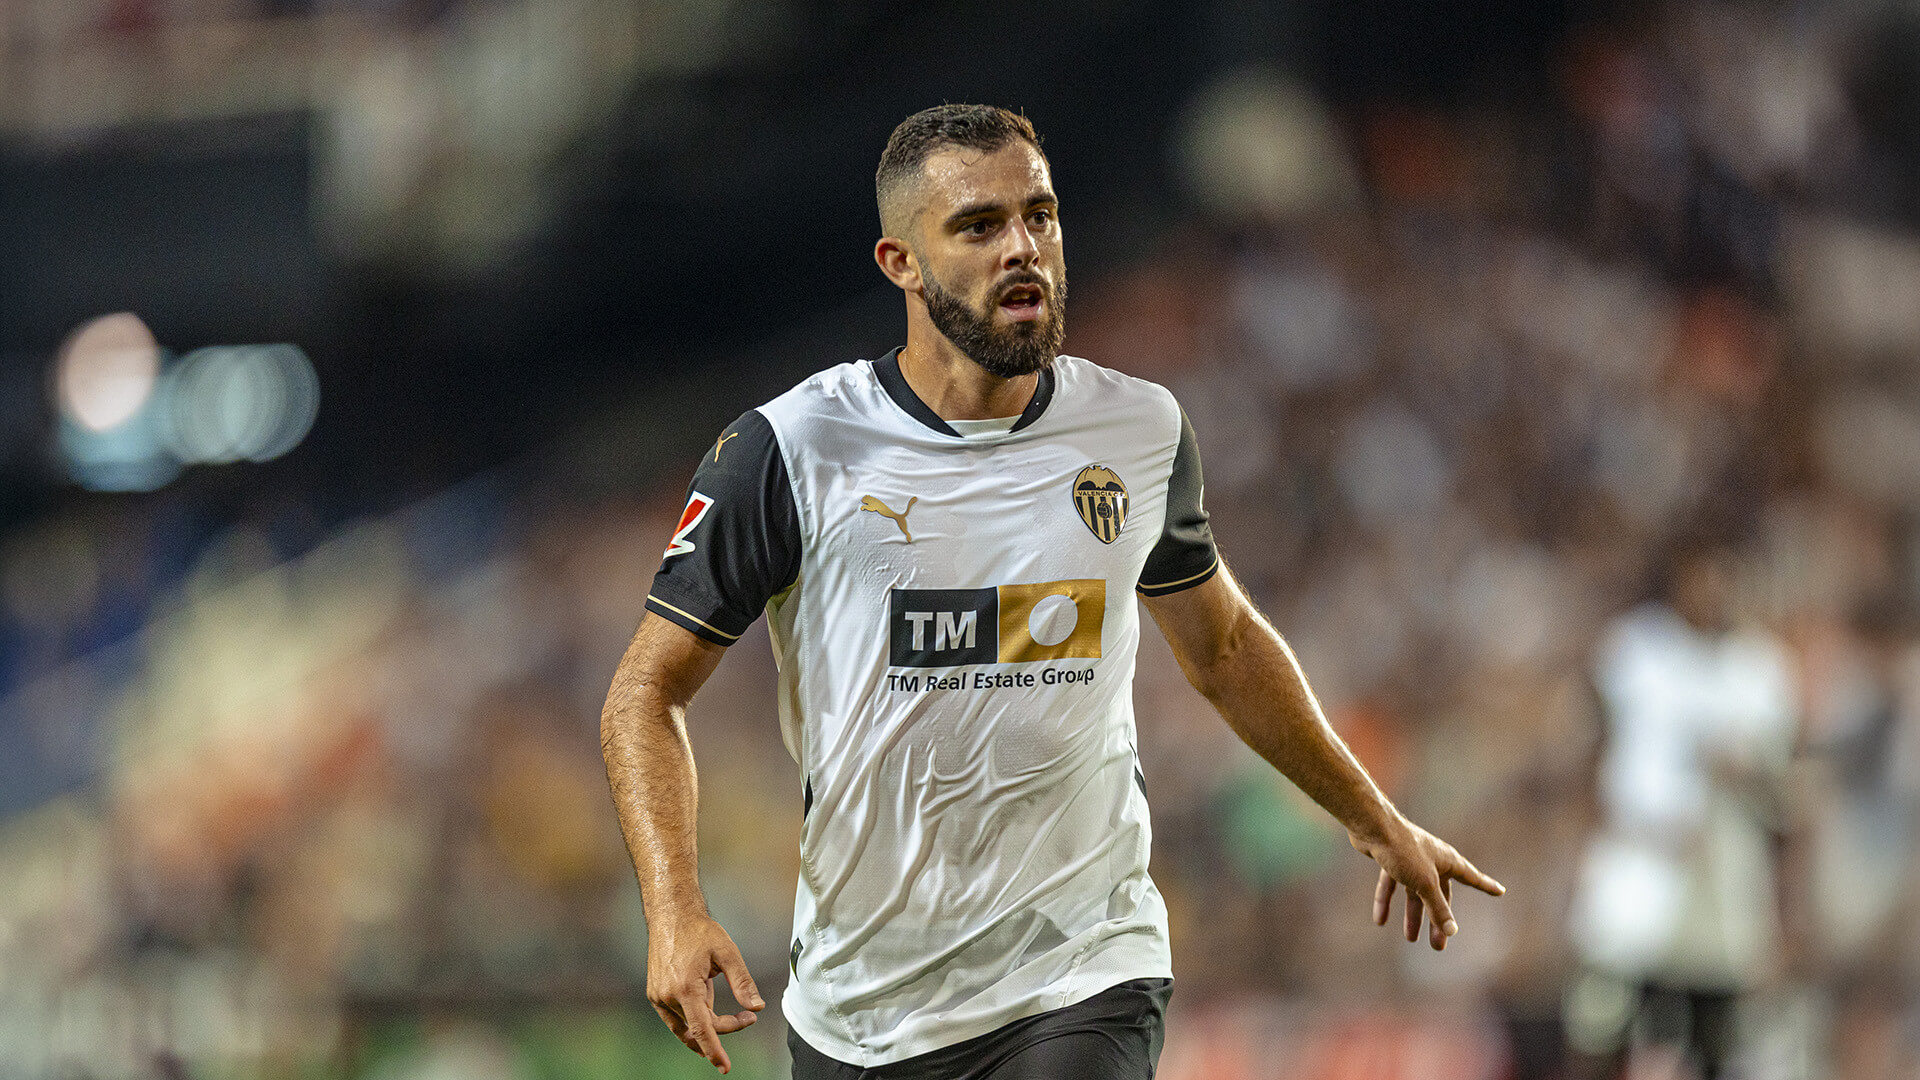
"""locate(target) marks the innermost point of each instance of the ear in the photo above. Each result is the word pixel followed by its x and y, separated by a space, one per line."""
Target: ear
pixel 898 262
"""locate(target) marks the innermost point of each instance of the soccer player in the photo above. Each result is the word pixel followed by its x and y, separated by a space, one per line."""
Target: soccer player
pixel 1700 726
pixel 947 542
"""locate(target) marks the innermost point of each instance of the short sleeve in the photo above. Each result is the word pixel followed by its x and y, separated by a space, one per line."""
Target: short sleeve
pixel 1184 555
pixel 737 543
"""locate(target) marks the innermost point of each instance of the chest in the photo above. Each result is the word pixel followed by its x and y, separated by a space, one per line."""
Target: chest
pixel 1719 691
pixel 966 516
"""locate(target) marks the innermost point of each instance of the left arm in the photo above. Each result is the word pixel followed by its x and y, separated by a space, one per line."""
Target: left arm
pixel 1233 656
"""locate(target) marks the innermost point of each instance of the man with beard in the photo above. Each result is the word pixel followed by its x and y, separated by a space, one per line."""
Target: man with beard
pixel 947 542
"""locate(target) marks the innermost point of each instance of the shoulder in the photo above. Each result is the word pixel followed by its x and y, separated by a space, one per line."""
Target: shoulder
pixel 1090 384
pixel 1647 641
pixel 1646 627
pixel 1759 651
pixel 768 428
pixel 840 387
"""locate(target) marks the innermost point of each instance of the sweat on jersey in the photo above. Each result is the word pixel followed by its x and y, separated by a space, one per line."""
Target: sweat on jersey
pixel 955 631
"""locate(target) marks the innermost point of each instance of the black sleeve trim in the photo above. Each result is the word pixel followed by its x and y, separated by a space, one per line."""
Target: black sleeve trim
pixel 687 621
pixel 1171 587
pixel 1184 556
pixel 738 544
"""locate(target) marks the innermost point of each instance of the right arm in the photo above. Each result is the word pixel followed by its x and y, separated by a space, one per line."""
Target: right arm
pixel 736 546
pixel 643 736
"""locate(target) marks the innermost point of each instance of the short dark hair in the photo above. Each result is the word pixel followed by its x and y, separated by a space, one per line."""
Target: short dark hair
pixel 986 128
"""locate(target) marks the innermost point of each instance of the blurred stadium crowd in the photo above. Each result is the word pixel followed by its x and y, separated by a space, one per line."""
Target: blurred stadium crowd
pixel 306 795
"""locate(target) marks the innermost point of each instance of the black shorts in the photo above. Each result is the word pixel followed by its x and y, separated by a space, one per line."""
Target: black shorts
pixel 1113 1035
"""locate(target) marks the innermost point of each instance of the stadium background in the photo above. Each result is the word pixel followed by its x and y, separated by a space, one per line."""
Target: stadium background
pixel 1473 313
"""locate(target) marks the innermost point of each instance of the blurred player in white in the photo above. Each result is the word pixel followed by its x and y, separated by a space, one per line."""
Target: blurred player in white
pixel 1701 721
pixel 947 543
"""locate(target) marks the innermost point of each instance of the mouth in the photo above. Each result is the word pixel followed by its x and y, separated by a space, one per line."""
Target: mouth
pixel 1023 302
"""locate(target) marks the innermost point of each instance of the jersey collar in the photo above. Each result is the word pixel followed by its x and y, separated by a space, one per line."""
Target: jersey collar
pixel 887 369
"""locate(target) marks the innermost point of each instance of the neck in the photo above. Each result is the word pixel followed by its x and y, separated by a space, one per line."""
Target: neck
pixel 951 384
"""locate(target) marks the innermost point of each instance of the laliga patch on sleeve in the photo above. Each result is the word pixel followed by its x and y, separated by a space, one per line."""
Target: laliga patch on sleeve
pixel 697 507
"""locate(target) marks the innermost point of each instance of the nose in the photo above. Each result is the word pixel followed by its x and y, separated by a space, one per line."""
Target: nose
pixel 1022 250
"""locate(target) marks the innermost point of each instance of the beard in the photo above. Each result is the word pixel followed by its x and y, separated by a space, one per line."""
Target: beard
pixel 1007 352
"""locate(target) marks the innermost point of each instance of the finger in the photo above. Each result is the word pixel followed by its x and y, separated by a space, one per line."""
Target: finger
pixel 739 978
pixel 1434 935
pixel 727 1025
pixel 1438 905
pixel 1383 898
pixel 701 1030
pixel 674 1023
pixel 678 1026
pixel 1411 924
pixel 1471 874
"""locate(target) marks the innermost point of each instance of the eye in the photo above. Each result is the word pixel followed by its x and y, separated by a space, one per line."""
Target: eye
pixel 977 227
pixel 1041 217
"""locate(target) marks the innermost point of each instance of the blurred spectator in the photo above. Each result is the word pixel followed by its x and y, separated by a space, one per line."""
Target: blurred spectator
pixel 1678 892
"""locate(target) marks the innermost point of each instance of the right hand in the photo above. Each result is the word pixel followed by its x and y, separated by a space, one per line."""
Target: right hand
pixel 683 956
pixel 1426 866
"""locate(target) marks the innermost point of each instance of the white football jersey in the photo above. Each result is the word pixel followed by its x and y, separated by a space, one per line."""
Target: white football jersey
pixel 955 628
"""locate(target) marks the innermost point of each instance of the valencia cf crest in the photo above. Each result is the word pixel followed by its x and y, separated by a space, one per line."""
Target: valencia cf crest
pixel 1101 498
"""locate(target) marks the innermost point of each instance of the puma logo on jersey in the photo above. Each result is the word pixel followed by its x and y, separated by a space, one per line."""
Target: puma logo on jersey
pixel 868 502
pixel 723 442
pixel 697 507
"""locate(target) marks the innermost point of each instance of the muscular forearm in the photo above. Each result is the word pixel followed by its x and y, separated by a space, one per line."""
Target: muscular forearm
pixel 1257 685
pixel 1234 657
pixel 643 734
pixel 650 769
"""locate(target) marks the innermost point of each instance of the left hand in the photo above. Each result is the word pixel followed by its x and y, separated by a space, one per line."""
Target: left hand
pixel 1428 866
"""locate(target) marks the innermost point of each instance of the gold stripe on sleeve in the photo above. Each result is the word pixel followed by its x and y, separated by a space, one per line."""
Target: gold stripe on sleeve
pixel 1143 586
pixel 695 618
